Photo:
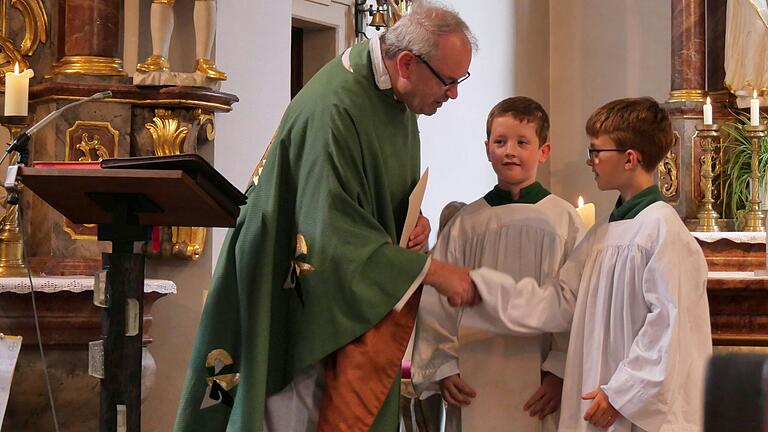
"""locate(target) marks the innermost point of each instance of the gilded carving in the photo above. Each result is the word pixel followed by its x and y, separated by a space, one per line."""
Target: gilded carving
pixel 35 33
pixel 188 242
pixel 87 146
pixel 88 141
pixel 206 121
pixel 668 171
pixel 167 132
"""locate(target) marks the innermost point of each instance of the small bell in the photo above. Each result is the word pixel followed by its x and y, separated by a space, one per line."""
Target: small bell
pixel 379 20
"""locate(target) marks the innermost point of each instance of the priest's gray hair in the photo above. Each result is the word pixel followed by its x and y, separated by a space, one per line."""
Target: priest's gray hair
pixel 419 31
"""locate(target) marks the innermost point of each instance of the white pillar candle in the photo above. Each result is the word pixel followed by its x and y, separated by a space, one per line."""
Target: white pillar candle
pixel 754 109
pixel 586 212
pixel 708 112
pixel 17 91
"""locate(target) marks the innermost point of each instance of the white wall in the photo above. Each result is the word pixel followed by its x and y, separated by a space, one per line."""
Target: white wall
pixel 513 60
pixel 600 50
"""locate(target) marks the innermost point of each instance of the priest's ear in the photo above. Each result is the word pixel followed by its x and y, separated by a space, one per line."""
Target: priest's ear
pixel 544 152
pixel 404 62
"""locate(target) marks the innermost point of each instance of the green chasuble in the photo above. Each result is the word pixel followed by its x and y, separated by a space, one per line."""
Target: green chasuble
pixel 530 194
pixel 338 173
pixel 636 204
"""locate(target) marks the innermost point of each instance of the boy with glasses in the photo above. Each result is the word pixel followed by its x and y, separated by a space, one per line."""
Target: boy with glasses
pixel 633 293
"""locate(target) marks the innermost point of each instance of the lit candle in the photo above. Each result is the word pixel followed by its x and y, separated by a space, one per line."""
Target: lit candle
pixel 754 109
pixel 586 212
pixel 17 91
pixel 708 112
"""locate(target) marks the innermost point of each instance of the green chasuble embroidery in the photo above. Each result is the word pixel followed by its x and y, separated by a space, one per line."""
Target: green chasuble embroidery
pixel 339 172
pixel 530 194
pixel 636 204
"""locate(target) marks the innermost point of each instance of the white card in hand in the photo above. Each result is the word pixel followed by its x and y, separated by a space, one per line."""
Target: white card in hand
pixel 414 208
pixel 9 354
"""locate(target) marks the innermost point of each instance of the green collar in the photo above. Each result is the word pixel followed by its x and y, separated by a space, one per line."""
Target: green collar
pixel 636 204
pixel 530 194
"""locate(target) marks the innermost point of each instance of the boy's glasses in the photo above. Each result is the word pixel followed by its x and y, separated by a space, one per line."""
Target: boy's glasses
pixel 439 78
pixel 592 153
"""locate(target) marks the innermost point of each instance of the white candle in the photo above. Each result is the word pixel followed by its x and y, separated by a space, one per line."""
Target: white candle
pixel 754 109
pixel 17 91
pixel 708 112
pixel 586 212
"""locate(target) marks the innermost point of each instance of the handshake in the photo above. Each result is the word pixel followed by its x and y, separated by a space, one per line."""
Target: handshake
pixel 449 280
pixel 452 282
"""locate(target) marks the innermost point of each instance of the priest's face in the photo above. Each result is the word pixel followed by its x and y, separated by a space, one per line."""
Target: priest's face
pixel 514 152
pixel 430 82
pixel 608 163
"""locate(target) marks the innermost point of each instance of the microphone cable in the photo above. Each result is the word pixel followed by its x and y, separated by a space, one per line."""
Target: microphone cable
pixel 25 260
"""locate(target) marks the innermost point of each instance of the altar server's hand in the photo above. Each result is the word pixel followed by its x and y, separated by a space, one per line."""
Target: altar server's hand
pixel 546 399
pixel 600 413
pixel 453 282
pixel 420 234
pixel 456 391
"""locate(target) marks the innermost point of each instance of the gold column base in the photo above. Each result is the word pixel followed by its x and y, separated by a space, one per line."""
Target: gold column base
pixel 687 95
pixel 707 216
pixel 89 65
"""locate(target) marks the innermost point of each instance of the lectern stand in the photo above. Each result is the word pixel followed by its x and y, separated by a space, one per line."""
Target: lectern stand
pixel 124 198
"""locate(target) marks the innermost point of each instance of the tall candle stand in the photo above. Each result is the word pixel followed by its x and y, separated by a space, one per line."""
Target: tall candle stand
pixel 709 137
pixel 754 219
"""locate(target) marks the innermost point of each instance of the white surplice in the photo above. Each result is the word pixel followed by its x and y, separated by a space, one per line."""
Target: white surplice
pixel 635 293
pixel 524 240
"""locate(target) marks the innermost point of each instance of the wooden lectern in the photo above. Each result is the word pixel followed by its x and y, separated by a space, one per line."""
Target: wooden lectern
pixel 124 197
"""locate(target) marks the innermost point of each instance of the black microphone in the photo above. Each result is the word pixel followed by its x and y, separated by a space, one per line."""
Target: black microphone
pixel 20 143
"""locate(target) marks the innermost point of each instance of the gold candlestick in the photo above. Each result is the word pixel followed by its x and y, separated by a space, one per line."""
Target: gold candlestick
pixel 11 242
pixel 754 219
pixel 707 215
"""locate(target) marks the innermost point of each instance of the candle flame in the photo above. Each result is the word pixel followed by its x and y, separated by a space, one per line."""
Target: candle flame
pixel 708 102
pixel 754 94
pixel 581 202
pixel 16 68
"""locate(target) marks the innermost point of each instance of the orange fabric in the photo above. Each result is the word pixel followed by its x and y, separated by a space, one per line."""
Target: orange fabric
pixel 359 376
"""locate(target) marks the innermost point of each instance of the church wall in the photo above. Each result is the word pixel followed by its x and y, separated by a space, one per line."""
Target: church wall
pixel 600 50
pixel 253 47
pixel 513 59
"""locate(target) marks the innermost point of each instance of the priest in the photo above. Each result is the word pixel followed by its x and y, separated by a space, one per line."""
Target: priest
pixel 312 302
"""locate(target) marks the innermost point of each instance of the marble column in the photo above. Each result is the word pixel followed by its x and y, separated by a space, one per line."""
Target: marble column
pixel 688 50
pixel 90 38
pixel 716 50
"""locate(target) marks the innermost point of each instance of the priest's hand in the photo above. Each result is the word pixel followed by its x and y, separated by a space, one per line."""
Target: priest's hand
pixel 456 391
pixel 420 234
pixel 546 399
pixel 600 413
pixel 453 282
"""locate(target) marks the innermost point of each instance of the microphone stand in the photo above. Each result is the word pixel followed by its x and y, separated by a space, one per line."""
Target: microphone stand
pixel 11 241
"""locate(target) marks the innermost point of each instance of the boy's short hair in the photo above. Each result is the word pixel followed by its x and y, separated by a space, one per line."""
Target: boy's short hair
pixel 638 124
pixel 522 109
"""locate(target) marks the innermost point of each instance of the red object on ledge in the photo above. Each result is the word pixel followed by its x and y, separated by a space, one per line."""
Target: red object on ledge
pixel 67 164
